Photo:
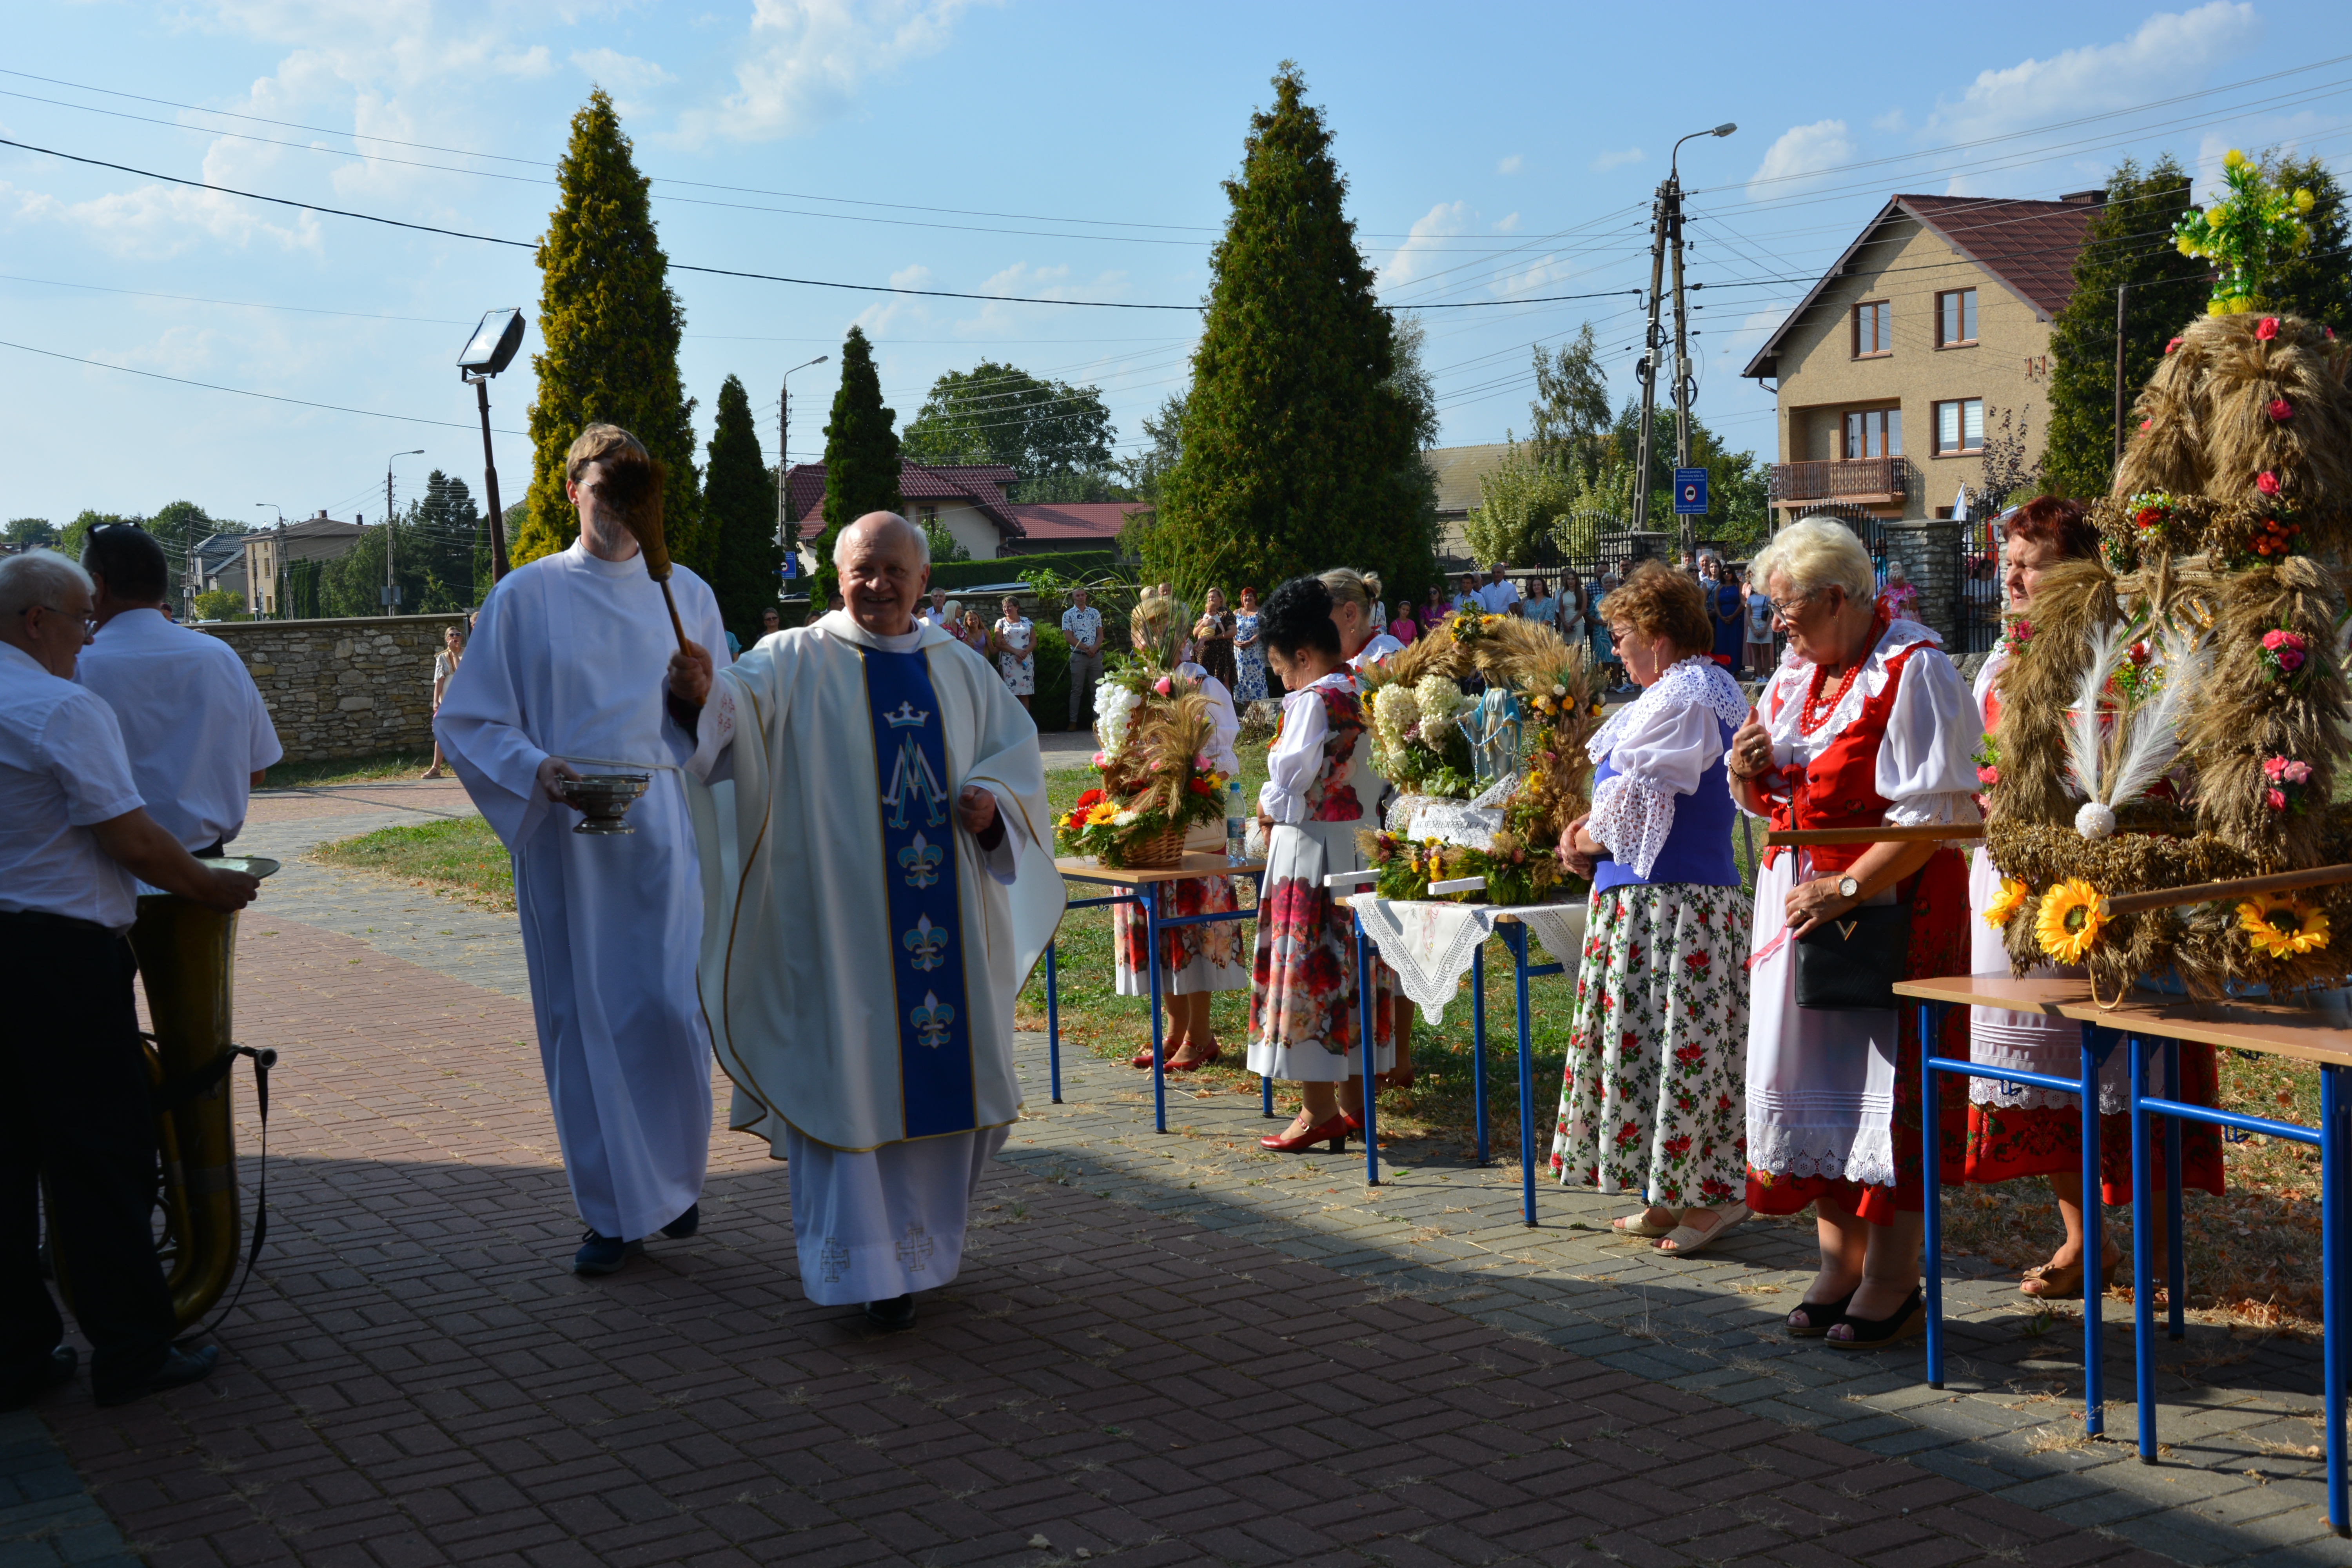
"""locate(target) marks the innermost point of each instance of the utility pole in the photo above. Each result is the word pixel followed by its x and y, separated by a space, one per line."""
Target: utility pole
pixel 1686 526
pixel 1648 367
pixel 1666 232
pixel 2120 375
pixel 783 464
pixel 390 594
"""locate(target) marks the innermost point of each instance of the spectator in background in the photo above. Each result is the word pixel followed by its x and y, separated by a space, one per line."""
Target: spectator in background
pixel 1726 611
pixel 1212 640
pixel 772 621
pixel 1249 651
pixel 445 664
pixel 1469 599
pixel 1016 642
pixel 1540 605
pixel 1898 601
pixel 1760 657
pixel 832 600
pixel 1405 628
pixel 1082 629
pixel 1500 592
pixel 1570 615
pixel 76 1123
pixel 197 730
pixel 934 614
pixel 1604 653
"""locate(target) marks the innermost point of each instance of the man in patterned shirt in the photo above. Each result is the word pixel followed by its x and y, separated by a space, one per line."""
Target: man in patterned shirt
pixel 1082 627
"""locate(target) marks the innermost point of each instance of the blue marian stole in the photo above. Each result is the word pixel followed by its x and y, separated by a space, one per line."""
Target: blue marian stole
pixel 918 861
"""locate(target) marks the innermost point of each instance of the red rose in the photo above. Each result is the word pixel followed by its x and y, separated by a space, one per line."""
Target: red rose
pixel 1697 960
pixel 2267 483
pixel 2276 801
pixel 2267 328
pixel 2282 410
pixel 1989 777
pixel 2172 346
pixel 2147 516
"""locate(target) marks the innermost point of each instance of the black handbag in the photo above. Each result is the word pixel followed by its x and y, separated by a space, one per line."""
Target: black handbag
pixel 1850 963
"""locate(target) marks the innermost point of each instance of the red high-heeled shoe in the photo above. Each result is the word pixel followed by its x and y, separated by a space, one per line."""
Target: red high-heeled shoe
pixel 1175 1066
pixel 1336 1130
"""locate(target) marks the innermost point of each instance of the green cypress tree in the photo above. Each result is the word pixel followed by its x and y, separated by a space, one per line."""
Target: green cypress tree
pixel 608 326
pixel 2130 241
pixel 739 496
pixel 1298 446
pixel 861 456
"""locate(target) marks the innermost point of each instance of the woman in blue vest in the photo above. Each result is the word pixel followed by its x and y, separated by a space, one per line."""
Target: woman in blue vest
pixel 1655 1097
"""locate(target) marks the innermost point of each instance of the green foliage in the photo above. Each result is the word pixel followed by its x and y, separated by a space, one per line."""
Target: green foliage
pixel 71 538
pixel 304 596
pixel 220 604
pixel 1077 564
pixel 945 545
pixel 1079 485
pixel 2167 292
pixel 1147 470
pixel 1299 449
pixel 861 456
pixel 1051 705
pixel 1570 412
pixel 739 498
pixel 608 326
pixel 1738 482
pixel 998 413
pixel 24 533
pixel 432 559
pixel 2314 282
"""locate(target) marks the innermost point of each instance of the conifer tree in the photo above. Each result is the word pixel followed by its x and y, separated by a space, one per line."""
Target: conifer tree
pixel 608 326
pixel 2130 241
pixel 861 454
pixel 739 499
pixel 1298 446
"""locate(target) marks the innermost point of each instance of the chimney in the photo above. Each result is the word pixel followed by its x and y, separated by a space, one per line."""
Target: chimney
pixel 2085 198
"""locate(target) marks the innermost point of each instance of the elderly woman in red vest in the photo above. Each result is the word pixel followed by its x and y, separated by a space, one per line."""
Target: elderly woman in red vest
pixel 1866 723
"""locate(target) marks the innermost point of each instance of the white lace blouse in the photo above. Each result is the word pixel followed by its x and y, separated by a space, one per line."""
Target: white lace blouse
pixel 1661 744
pixel 1926 761
pixel 1296 757
pixel 1221 712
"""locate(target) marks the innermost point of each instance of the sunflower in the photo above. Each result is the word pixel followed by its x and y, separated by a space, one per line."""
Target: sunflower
pixel 2068 926
pixel 2280 928
pixel 2005 903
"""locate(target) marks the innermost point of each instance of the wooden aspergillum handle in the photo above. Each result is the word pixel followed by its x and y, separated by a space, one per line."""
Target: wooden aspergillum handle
pixel 1790 838
pixel 675 623
pixel 2215 892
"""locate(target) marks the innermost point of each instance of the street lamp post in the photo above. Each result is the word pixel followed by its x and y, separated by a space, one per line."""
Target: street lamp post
pixel 392 592
pixel 783 465
pixel 1666 233
pixel 277 567
pixel 489 352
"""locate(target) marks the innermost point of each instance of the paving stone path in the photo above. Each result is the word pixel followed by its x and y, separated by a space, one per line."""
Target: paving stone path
pixel 1167 1348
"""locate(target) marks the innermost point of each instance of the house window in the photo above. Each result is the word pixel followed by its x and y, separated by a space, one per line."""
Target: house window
pixel 1956 317
pixel 1874 432
pixel 1960 427
pixel 1873 328
pixel 928 514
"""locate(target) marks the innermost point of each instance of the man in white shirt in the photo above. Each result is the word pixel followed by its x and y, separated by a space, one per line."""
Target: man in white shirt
pixel 1471 597
pixel 197 733
pixel 75 843
pixel 1499 593
pixel 935 613
pixel 1082 628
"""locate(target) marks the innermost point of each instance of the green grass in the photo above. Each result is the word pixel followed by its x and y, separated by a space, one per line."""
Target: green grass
pixel 349 769
pixel 460 855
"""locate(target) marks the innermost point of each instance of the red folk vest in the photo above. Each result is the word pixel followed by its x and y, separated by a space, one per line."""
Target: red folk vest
pixel 1840 789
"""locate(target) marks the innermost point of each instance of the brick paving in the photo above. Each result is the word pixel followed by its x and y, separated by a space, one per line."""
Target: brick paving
pixel 1171 1349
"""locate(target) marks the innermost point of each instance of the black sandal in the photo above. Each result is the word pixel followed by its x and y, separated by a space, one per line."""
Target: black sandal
pixel 1812 1319
pixel 1906 1321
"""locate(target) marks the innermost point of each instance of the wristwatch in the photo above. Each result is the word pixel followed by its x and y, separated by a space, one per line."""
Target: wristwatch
pixel 1848 888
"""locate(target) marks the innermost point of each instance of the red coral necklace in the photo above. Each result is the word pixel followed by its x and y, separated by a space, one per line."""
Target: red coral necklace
pixel 1817 709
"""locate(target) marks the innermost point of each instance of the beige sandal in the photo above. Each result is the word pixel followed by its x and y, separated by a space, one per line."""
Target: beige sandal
pixel 1685 1239
pixel 1641 1224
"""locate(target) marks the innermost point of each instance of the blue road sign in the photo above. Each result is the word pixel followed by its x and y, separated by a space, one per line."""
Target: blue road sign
pixel 792 564
pixel 1690 492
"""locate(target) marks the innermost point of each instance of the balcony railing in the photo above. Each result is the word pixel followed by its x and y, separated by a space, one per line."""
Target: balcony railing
pixel 1867 479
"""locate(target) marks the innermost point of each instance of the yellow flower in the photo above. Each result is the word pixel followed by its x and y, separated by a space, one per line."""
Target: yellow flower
pixel 2281 927
pixel 2068 926
pixel 1102 812
pixel 2233 159
pixel 2305 201
pixel 2005 902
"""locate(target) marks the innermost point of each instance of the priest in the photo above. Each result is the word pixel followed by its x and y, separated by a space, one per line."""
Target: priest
pixel 564 675
pixel 877 882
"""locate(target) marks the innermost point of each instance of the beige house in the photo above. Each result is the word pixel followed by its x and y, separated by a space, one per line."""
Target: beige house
pixel 1456 471
pixel 967 499
pixel 1930 336
pixel 259 570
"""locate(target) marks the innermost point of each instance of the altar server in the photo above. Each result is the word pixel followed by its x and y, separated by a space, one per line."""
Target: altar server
pixel 876 894
pixel 564 673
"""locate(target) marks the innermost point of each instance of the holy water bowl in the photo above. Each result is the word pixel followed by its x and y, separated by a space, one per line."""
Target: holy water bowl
pixel 603 800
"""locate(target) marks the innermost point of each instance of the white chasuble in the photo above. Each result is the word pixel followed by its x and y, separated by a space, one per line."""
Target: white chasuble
pixel 568 659
pixel 861 952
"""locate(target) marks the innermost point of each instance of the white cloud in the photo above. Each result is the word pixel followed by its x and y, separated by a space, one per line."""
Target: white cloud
pixel 1443 219
pixel 1508 225
pixel 1608 160
pixel 805 61
pixel 1801 150
pixel 2170 48
pixel 623 73
pixel 1512 164
pixel 154 222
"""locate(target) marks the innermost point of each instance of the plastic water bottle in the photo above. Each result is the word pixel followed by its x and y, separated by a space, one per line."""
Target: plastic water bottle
pixel 1233 856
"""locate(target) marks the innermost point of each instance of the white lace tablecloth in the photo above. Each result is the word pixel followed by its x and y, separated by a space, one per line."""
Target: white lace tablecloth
pixel 1429 944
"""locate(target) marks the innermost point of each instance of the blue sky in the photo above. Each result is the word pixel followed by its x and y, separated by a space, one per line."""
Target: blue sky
pixel 1495 153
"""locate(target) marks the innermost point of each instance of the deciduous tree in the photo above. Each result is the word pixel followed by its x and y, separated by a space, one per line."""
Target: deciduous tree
pixel 1039 428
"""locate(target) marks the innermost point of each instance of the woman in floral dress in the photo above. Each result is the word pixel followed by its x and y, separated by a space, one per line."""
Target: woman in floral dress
pixel 1305 1023
pixel 1016 651
pixel 1249 652
pixel 1655 1099
pixel 1195 962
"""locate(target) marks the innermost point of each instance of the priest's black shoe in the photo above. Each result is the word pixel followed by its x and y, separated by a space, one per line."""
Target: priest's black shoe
pixel 685 1224
pixel 897 1312
pixel 178 1367
pixel 603 1254
pixel 28 1383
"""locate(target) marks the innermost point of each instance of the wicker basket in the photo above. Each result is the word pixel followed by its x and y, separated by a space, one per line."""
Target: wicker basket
pixel 1165 848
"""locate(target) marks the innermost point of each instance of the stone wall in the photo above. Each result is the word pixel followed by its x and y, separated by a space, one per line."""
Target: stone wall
pixel 1929 550
pixel 344 688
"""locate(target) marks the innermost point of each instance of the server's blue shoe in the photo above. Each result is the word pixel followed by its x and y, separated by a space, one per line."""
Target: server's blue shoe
pixel 685 1224
pixel 603 1254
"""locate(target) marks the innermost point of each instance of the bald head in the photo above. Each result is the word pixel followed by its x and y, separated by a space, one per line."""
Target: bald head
pixel 884 565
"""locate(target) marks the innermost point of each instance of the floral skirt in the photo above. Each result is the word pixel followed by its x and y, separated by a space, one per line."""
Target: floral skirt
pixel 1655 1098
pixel 1305 1026
pixel 1193 959
pixel 1249 669
pixel 2006 1142
pixel 1020 673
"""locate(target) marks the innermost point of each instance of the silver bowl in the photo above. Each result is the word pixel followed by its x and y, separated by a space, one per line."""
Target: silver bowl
pixel 605 799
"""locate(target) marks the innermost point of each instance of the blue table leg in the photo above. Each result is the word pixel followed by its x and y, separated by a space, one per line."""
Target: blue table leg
pixel 2143 1258
pixel 1478 1043
pixel 2094 1404
pixel 2176 1271
pixel 1159 1041
pixel 1931 1178
pixel 1364 1041
pixel 1516 937
pixel 2333 1267
pixel 1053 1026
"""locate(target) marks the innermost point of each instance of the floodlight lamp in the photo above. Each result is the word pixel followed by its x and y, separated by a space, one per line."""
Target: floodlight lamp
pixel 1725 129
pixel 493 344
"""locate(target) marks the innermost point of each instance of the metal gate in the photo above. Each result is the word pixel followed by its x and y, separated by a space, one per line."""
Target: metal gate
pixel 1979 610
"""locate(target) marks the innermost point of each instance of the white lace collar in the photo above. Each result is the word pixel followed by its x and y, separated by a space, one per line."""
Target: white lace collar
pixel 1695 681
pixel 1796 676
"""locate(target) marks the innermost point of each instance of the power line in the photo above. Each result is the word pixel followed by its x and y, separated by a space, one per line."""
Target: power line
pixel 242 392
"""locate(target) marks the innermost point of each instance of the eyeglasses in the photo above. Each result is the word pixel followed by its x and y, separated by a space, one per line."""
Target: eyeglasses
pixel 89 622
pixel 1782 608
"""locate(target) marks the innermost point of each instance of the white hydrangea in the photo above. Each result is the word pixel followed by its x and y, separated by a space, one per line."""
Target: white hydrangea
pixel 1394 709
pixel 1440 701
pixel 1114 704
